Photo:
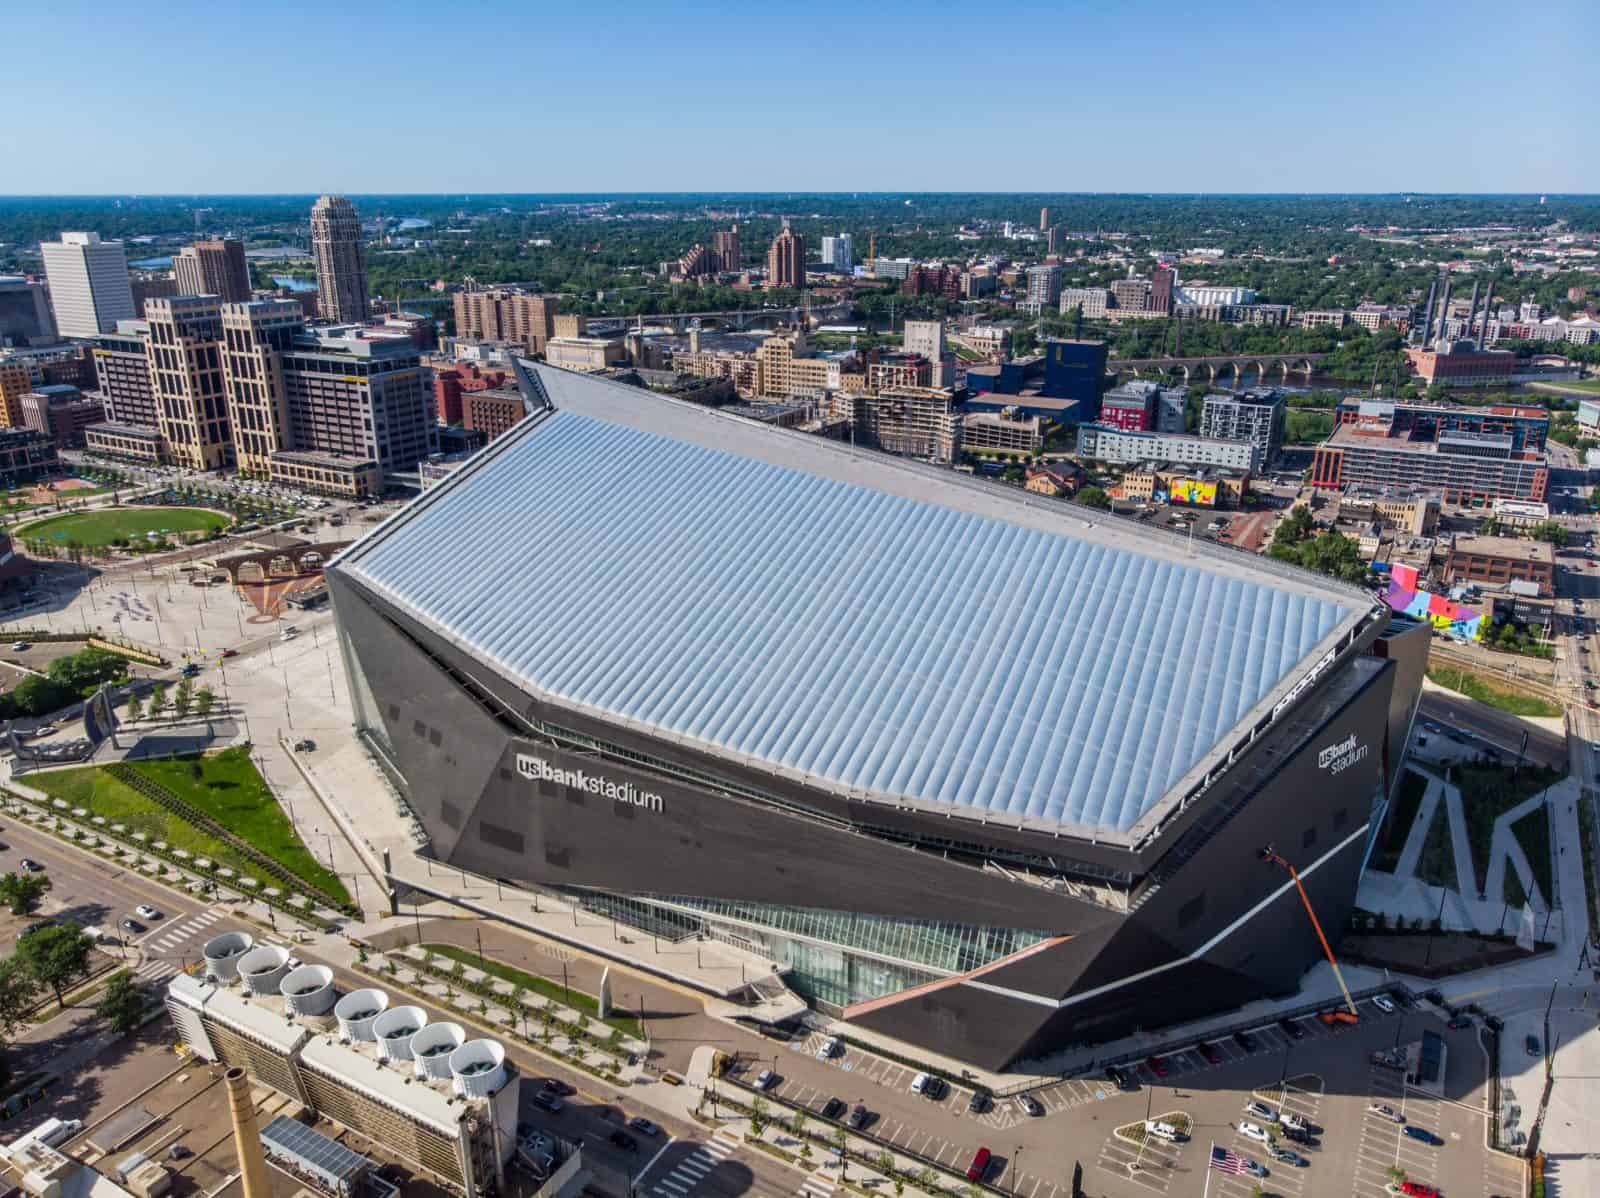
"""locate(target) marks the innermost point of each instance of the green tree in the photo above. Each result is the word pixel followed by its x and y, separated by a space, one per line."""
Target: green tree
pixel 19 995
pixel 204 701
pixel 1093 497
pixel 183 697
pixel 22 893
pixel 57 955
pixel 1551 531
pixel 158 699
pixel 759 1117
pixel 840 1140
pixel 121 1003
pixel 134 708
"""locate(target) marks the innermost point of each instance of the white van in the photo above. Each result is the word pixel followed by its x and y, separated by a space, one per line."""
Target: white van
pixel 1162 1131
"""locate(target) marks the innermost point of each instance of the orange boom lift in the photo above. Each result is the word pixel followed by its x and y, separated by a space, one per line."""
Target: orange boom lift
pixel 1271 855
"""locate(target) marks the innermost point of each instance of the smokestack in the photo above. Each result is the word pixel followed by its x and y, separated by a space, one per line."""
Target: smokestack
pixel 1483 325
pixel 1427 313
pixel 1472 308
pixel 246 1137
pixel 1444 312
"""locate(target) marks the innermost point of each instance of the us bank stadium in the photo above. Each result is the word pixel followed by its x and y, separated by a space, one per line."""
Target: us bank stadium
pixel 982 771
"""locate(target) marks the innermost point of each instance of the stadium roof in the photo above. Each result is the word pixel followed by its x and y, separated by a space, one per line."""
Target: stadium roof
pixel 877 627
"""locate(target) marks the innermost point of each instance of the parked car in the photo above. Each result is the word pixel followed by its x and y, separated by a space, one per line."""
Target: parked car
pixel 20 646
pixel 1421 1134
pixel 859 1116
pixel 1254 1131
pixel 556 1086
pixel 978 1103
pixel 1260 1110
pixel 230 653
pixel 1402 999
pixel 1384 1111
pixel 644 1126
pixel 624 1141
pixel 833 1108
pixel 1292 1029
pixel 131 925
pixel 979 1165
pixel 1209 1052
pixel 1030 1105
pixel 1288 1157
pixel 179 1152
pixel 1415 1189
pixel 1156 1065
pixel 547 1101
pixel 828 1048
pixel 1292 1122
pixel 32 866
pixel 1254 1168
pixel 766 1079
pixel 1116 1077
pixel 1531 1045
pixel 1245 1041
pixel 1383 1004
pixel 305 745
pixel 146 911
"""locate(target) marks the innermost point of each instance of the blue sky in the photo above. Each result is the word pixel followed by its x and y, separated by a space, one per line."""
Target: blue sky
pixel 1165 95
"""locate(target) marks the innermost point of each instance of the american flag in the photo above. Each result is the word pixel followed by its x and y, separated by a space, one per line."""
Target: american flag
pixel 1227 1161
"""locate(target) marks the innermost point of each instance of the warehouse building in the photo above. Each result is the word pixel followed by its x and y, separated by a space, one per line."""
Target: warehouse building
pixel 987 775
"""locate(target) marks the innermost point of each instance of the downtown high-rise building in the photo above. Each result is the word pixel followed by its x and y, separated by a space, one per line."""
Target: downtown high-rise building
pixel 254 338
pixel 214 266
pixel 786 260
pixel 336 247
pixel 186 380
pixel 89 286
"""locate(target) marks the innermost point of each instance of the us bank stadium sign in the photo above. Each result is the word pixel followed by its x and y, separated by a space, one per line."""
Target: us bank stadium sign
pixel 1337 758
pixel 537 769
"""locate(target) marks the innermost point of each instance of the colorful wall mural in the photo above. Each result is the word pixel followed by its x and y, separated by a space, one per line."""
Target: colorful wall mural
pixel 1453 619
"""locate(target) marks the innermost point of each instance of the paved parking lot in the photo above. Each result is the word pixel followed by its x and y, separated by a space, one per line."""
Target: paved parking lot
pixel 1211 1081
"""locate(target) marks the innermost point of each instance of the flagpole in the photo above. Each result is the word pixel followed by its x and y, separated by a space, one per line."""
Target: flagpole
pixel 1209 1170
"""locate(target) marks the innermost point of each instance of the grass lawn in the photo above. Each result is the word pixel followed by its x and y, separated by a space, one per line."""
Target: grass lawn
pixel 229 790
pixel 1533 833
pixel 98 529
pixel 534 984
pixel 1398 819
pixel 1492 691
pixel 1487 791
pixel 1589 385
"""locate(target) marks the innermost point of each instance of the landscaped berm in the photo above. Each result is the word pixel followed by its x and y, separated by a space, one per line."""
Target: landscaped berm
pixel 120 525
pixel 223 786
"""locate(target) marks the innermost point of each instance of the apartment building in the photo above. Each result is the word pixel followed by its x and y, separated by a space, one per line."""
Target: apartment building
pixel 784 370
pixel 1093 300
pixel 26 455
pixel 1527 426
pixel 254 338
pixel 142 444
pixel 1468 468
pixel 915 422
pixel 786 260
pixel 1044 286
pixel 507 314
pixel 1103 443
pixel 187 382
pixel 725 248
pixel 1131 295
pixel 89 286
pixel 1257 415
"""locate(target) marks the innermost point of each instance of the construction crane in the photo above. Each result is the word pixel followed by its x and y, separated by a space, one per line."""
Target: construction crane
pixel 1269 854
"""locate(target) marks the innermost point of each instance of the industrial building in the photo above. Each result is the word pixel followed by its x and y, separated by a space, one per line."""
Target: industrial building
pixel 1392 447
pixel 985 774
pixel 440 1102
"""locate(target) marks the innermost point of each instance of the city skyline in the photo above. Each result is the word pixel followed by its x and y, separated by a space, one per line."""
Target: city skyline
pixel 1229 103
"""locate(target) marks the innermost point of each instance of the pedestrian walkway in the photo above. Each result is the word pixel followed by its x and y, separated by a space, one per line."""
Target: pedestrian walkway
pixel 697 1166
pixel 817 1186
pixel 168 939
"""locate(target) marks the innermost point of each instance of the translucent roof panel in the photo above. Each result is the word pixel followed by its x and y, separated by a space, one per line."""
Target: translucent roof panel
pixel 902 649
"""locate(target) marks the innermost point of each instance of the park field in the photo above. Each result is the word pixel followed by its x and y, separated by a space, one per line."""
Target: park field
pixel 105 526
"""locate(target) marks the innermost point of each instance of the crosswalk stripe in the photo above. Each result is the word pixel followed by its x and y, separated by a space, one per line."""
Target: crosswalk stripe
pixel 693 1164
pixel 672 1186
